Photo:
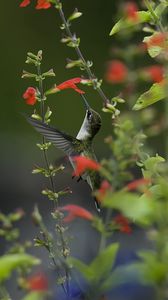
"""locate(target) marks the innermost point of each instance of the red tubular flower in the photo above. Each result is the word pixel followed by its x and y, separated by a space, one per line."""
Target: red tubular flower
pixel 116 71
pixel 24 3
pixel 123 223
pixel 37 282
pixel 155 73
pixel 76 211
pixel 157 39
pixel 83 163
pixel 30 96
pixel 41 4
pixel 131 11
pixel 104 188
pixel 69 84
pixel 138 183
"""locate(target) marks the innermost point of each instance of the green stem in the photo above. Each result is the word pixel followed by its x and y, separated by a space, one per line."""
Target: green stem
pixel 42 98
pixel 103 237
pixel 80 55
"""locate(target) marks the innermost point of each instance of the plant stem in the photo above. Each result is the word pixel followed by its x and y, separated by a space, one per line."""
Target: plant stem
pixel 42 98
pixel 80 55
pixel 103 237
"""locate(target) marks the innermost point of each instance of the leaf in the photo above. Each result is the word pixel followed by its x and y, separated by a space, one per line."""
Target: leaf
pixel 84 269
pixel 34 296
pixel 10 262
pixel 142 16
pixel 131 205
pixel 156 93
pixel 100 267
pixel 160 9
pixel 103 263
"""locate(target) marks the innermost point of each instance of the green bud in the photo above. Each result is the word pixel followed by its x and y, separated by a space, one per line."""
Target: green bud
pixel 37 218
pixel 74 63
pixel 76 14
pixel 26 74
pixel 49 73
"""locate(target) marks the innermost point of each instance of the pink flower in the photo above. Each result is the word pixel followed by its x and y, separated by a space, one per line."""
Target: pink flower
pixel 155 73
pixel 37 282
pixel 30 96
pixel 123 223
pixel 116 71
pixel 69 84
pixel 82 163
pixel 41 4
pixel 157 39
pixel 75 211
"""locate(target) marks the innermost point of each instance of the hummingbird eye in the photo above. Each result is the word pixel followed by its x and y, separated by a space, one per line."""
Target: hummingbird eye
pixel 89 115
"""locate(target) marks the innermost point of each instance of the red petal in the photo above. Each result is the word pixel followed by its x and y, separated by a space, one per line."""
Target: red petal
pixel 38 282
pixel 83 163
pixel 76 211
pixel 43 4
pixel 24 3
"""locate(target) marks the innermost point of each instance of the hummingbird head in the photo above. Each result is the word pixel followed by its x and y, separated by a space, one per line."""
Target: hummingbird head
pixel 91 123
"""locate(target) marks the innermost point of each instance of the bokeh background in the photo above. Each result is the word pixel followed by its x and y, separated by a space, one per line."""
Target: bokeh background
pixel 27 29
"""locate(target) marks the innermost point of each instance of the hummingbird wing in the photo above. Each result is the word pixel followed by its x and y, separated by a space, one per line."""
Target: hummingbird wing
pixel 70 145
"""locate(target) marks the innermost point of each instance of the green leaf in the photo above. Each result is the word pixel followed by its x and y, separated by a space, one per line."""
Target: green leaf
pixel 103 263
pixel 34 296
pixel 10 262
pixel 100 267
pixel 84 269
pixel 160 9
pixel 124 23
pixel 156 93
pixel 131 205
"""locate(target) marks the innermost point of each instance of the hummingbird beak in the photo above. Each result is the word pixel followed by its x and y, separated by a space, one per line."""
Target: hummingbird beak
pixel 85 102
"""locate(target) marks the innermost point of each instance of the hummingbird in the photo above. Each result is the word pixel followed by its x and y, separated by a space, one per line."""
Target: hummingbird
pixel 71 146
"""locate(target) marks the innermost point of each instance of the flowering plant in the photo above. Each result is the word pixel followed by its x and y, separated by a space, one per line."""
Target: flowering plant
pixel 129 186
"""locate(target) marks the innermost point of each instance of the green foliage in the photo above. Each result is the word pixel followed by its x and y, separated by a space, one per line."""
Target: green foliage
pixel 125 23
pixel 11 262
pixel 125 146
pixel 156 93
pixel 34 296
pixel 131 205
pixel 99 269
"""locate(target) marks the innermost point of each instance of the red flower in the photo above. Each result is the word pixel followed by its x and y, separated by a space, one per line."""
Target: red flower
pixel 116 72
pixel 138 183
pixel 41 4
pixel 123 223
pixel 30 96
pixel 131 11
pixel 104 188
pixel 69 84
pixel 38 282
pixel 25 3
pixel 155 73
pixel 76 211
pixel 157 39
pixel 83 163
